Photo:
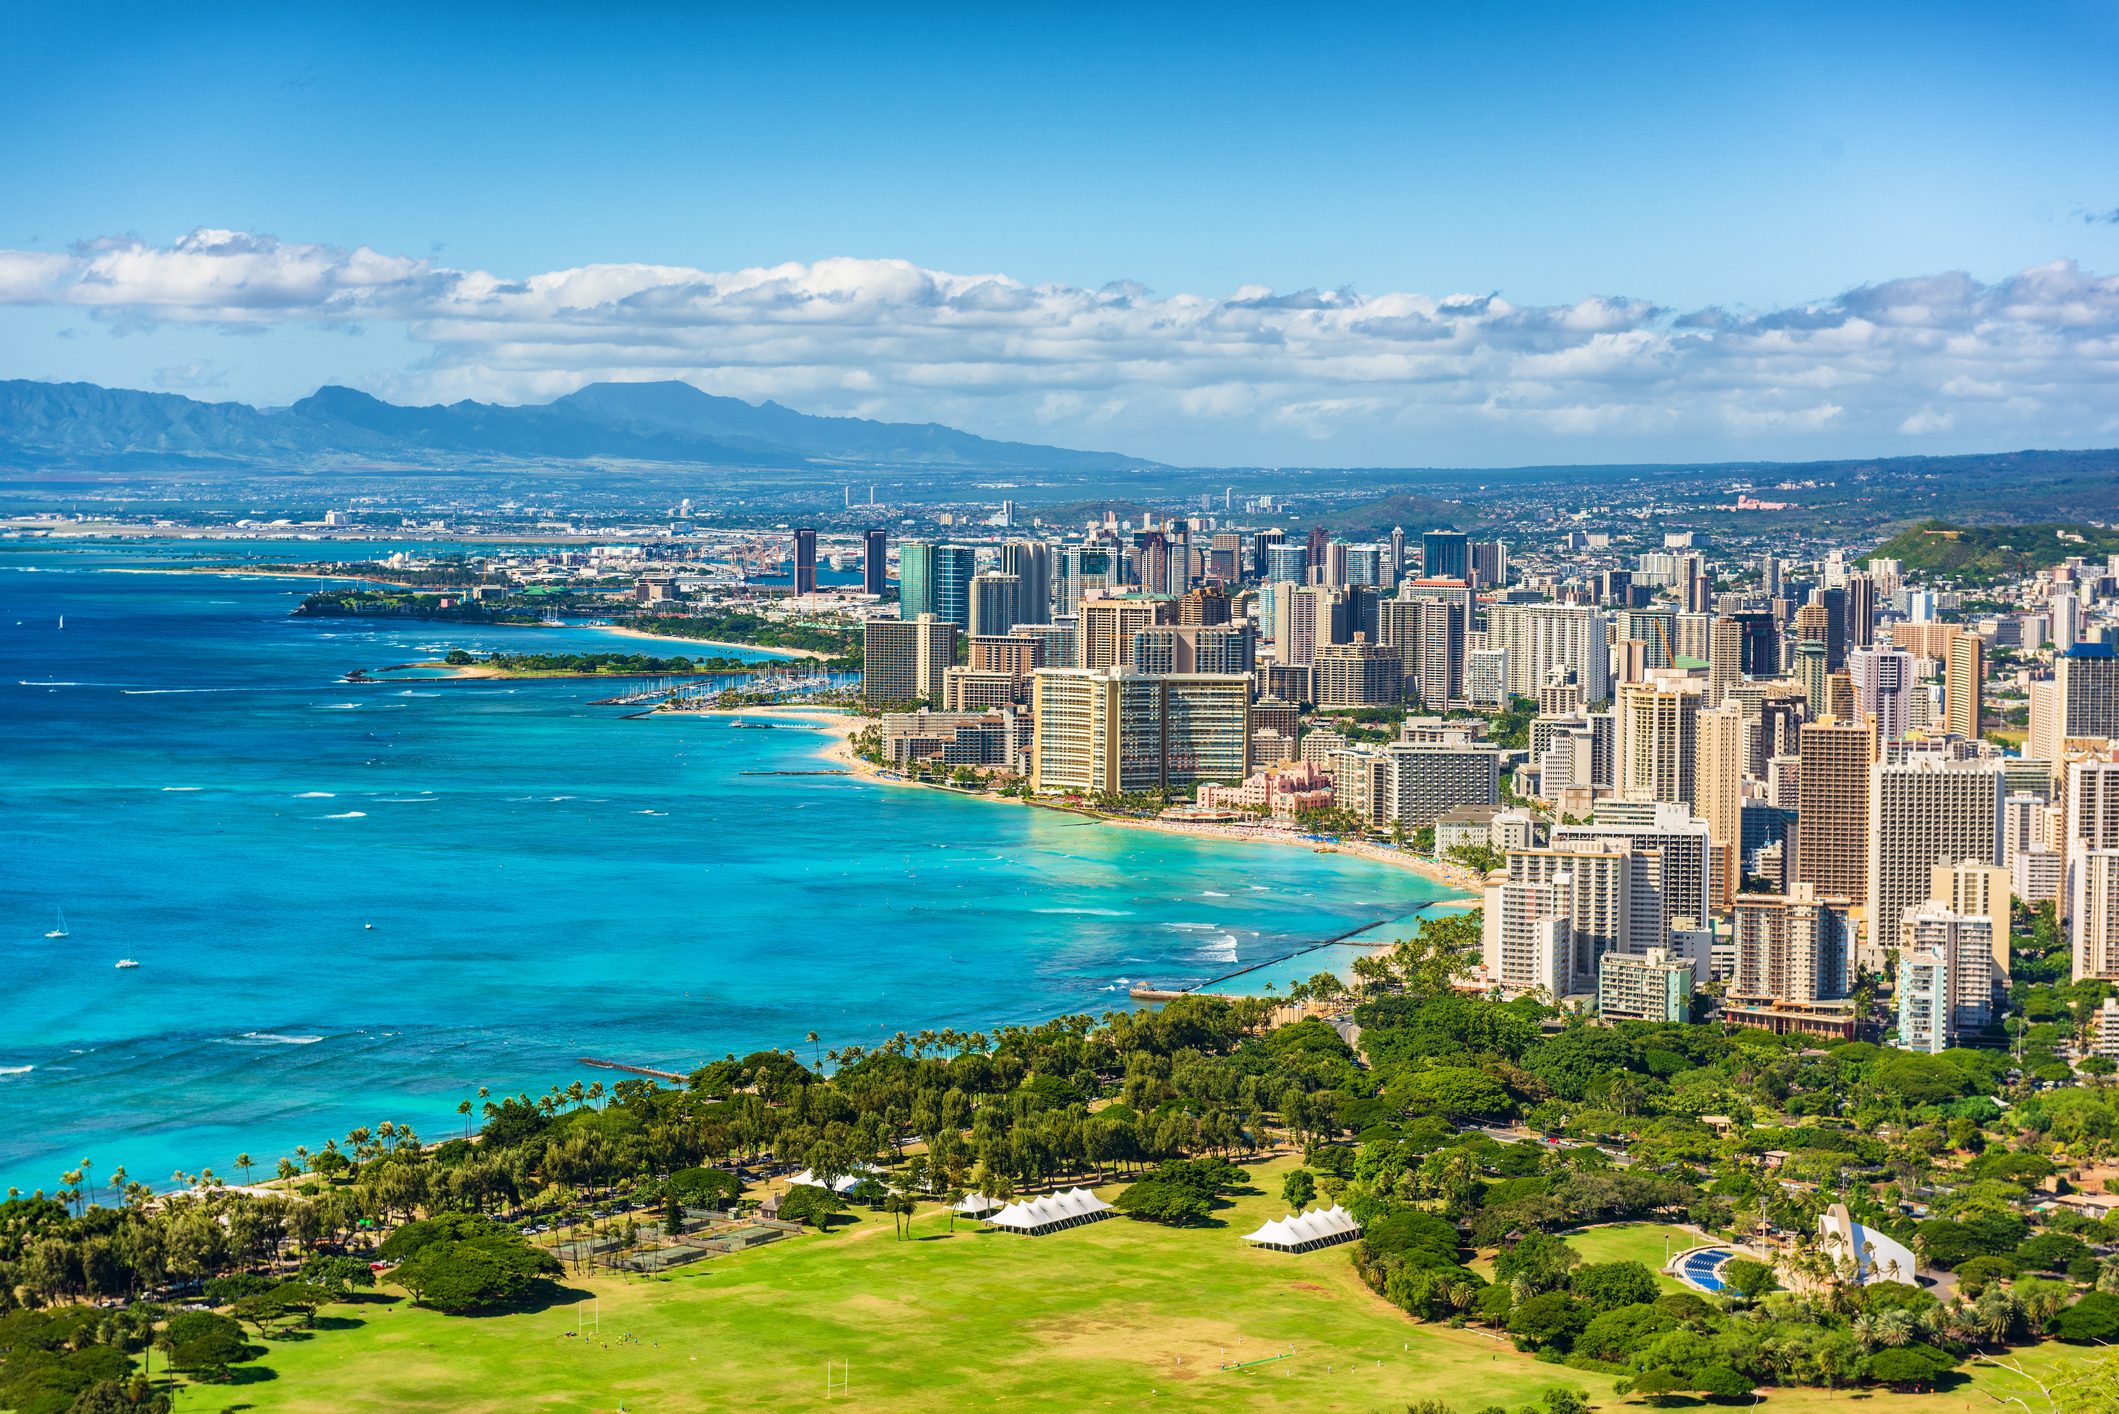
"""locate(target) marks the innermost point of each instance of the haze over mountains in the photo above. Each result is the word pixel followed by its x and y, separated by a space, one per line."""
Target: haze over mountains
pixel 60 424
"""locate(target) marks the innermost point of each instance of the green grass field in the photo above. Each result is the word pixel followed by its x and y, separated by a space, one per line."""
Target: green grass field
pixel 1635 1242
pixel 1117 1315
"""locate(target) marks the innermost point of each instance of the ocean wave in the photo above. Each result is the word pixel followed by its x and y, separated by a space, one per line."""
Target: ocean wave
pixel 408 799
pixel 316 795
pixel 1193 927
pixel 346 815
pixel 1087 912
pixel 25 682
pixel 339 707
pixel 183 788
pixel 16 1069
pixel 1212 893
pixel 272 1038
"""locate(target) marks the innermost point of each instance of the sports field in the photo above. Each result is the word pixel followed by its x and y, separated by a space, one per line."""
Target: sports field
pixel 1116 1315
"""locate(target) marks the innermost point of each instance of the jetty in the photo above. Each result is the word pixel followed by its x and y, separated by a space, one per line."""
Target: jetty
pixel 1146 993
pixel 649 1071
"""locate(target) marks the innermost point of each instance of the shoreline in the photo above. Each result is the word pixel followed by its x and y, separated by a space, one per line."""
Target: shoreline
pixel 624 632
pixel 839 751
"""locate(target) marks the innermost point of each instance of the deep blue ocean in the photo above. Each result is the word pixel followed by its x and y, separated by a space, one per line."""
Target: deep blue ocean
pixel 359 902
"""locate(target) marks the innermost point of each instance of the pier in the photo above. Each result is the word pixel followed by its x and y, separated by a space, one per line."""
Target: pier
pixel 1163 994
pixel 653 1074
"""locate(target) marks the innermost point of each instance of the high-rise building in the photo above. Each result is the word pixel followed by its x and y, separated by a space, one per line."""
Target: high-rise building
pixel 1656 631
pixel 1365 565
pixel 936 579
pixel 1397 559
pixel 1945 977
pixel 1795 947
pixel 1814 676
pixel 1287 564
pixel 1924 810
pixel 1445 554
pixel 1060 642
pixel 994 597
pixel 954 565
pixel 1108 626
pixel 2086 679
pixel 1860 611
pixel 1086 570
pixel 1433 638
pixel 1030 561
pixel 1527 935
pixel 1760 654
pixel 1206 606
pixel 1964 686
pixel 1262 544
pixel 907 660
pixel 1614 899
pixel 805 579
pixel 2093 922
pixel 1115 731
pixel 1485 677
pixel 1552 642
pixel 1884 682
pixel 1428 781
pixel 1693 871
pixel 1981 890
pixel 1012 654
pixel 1193 648
pixel 875 562
pixel 1357 674
pixel 1832 812
pixel 1658 728
pixel 1718 783
pixel 915 578
pixel 1725 658
pixel 1489 563
pixel 1305 618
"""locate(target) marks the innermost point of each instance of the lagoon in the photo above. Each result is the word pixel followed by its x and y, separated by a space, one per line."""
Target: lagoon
pixel 359 902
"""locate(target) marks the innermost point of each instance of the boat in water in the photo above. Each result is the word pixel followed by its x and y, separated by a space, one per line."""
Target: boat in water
pixel 59 929
pixel 126 962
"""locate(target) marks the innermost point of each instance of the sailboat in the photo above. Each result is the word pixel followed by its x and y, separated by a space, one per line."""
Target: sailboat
pixel 59 929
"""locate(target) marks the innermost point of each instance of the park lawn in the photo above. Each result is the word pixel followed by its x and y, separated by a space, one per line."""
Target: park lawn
pixel 1116 1314
pixel 1634 1242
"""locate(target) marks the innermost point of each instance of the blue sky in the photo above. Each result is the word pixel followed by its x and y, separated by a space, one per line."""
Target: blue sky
pixel 1681 158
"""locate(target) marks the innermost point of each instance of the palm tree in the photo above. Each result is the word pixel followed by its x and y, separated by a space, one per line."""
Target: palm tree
pixel 463 1108
pixel 815 1060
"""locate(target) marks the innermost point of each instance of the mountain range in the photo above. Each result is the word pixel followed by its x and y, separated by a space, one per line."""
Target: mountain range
pixel 57 424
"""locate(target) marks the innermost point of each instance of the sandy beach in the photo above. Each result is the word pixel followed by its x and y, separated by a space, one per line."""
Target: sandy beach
pixel 624 632
pixel 839 751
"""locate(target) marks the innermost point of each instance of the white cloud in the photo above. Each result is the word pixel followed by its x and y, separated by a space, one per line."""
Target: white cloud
pixel 2032 359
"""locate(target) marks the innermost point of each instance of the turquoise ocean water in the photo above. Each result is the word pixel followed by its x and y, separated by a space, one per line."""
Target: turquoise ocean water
pixel 183 772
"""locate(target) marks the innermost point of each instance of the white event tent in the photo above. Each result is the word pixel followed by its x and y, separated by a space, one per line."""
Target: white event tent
pixel 973 1204
pixel 1051 1212
pixel 1320 1227
pixel 844 1183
